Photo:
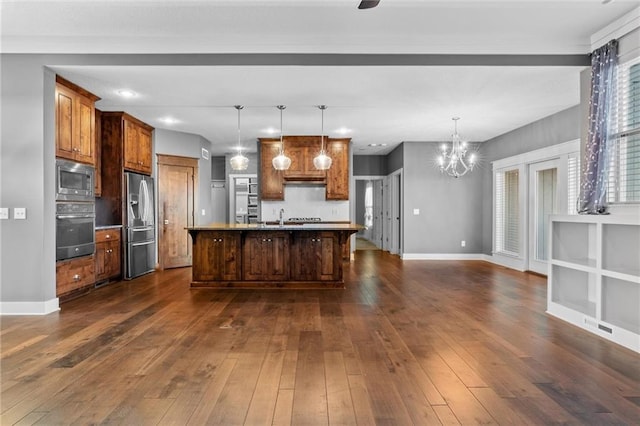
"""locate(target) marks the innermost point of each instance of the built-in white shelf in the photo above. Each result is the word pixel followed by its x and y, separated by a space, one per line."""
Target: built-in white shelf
pixel 594 275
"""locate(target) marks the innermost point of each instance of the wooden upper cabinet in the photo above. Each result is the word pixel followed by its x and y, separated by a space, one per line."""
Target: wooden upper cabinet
pixel 302 150
pixel 270 179
pixel 338 174
pixel 75 122
pixel 137 146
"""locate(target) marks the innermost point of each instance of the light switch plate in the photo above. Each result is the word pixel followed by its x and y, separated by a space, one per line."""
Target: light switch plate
pixel 4 213
pixel 20 213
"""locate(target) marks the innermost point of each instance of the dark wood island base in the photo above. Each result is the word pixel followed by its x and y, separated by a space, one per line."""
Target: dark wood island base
pixel 305 256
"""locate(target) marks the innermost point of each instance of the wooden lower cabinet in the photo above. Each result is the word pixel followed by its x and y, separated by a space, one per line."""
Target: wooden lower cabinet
pixel 108 254
pixel 266 256
pixel 74 274
pixel 315 256
pixel 217 256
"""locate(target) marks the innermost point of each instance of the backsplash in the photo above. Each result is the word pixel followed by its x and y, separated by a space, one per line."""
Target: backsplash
pixel 305 201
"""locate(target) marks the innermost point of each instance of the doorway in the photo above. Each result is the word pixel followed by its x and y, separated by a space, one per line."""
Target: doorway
pixel 394 215
pixel 544 201
pixel 176 209
pixel 369 213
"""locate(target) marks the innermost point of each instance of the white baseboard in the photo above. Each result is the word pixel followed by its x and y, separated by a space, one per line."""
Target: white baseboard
pixel 507 262
pixel 443 256
pixel 29 308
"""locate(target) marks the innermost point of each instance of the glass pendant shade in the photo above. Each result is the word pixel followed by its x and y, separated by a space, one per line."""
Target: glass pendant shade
pixel 454 161
pixel 239 161
pixel 281 161
pixel 322 161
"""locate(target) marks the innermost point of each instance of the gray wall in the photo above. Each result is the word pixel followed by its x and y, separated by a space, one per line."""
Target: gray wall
pixel 448 206
pixel 561 127
pixel 182 144
pixel 395 159
pixel 370 165
pixel 27 161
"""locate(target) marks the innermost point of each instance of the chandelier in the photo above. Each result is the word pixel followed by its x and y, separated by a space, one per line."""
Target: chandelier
pixel 454 162
pixel 322 161
pixel 239 161
pixel 281 161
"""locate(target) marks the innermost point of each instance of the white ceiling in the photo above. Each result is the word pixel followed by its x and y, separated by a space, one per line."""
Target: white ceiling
pixel 386 103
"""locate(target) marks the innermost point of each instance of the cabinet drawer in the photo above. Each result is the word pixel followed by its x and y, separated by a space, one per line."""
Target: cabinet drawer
pixel 74 274
pixel 106 235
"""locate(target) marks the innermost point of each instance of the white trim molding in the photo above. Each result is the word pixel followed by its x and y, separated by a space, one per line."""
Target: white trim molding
pixel 443 256
pixel 30 308
pixel 616 29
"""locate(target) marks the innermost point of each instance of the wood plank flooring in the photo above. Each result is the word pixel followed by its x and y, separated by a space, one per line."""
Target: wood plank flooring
pixel 413 342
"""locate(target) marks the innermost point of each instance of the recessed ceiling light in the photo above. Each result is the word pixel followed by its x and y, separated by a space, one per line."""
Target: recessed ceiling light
pixel 343 131
pixel 377 144
pixel 168 120
pixel 126 93
pixel 271 130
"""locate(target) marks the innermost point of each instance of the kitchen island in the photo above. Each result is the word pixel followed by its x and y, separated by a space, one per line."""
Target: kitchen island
pixel 291 255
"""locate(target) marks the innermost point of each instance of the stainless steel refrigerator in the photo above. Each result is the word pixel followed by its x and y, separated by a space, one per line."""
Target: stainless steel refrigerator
pixel 140 243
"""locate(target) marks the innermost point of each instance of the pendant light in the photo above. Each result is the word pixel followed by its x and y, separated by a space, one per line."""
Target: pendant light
pixel 281 161
pixel 322 161
pixel 239 161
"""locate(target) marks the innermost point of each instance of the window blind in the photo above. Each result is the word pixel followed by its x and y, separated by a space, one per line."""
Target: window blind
pixel 624 171
pixel 573 183
pixel 507 226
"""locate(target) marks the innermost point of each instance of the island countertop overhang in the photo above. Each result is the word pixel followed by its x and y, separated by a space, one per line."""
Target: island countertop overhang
pixel 323 226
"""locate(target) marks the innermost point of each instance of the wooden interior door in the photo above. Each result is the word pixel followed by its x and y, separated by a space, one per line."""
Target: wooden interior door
pixel 176 209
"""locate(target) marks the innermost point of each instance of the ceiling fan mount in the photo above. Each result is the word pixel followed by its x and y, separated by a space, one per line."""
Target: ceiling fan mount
pixel 368 4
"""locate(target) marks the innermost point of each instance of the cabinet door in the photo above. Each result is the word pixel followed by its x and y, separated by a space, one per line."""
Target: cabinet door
pixel 101 261
pixel 303 256
pixel 254 266
pixel 315 257
pixel 131 161
pixel 114 259
pixel 296 154
pixel 216 256
pixel 338 174
pixel 144 150
pixel 270 179
pixel 64 122
pixel 277 256
pixel 85 141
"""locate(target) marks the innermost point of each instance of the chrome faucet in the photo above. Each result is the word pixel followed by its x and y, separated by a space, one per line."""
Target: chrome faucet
pixel 281 217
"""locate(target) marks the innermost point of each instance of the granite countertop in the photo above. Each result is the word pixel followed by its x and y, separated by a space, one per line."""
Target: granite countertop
pixel 273 227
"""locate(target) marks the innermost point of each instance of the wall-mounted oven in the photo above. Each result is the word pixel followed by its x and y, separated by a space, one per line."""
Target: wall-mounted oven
pixel 74 181
pixel 75 230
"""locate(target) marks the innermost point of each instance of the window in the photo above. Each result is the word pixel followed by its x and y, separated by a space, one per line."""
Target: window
pixel 507 216
pixel 624 173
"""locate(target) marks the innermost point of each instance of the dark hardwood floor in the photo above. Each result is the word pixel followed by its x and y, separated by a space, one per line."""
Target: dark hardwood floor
pixel 414 342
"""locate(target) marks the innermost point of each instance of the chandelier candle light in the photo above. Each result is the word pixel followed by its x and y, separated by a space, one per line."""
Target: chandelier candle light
pixel 454 162
pixel 281 161
pixel 322 161
pixel 239 161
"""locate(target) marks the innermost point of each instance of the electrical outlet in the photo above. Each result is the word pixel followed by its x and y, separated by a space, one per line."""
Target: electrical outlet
pixel 20 213
pixel 416 212
pixel 203 213
pixel 463 243
pixel 4 213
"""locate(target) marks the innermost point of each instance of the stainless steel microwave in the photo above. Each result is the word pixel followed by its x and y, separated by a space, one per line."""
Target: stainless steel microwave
pixel 74 181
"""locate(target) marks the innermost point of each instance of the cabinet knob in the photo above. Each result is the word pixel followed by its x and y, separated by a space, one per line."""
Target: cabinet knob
pixel 76 277
pixel 263 240
pixel 220 240
pixel 107 236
